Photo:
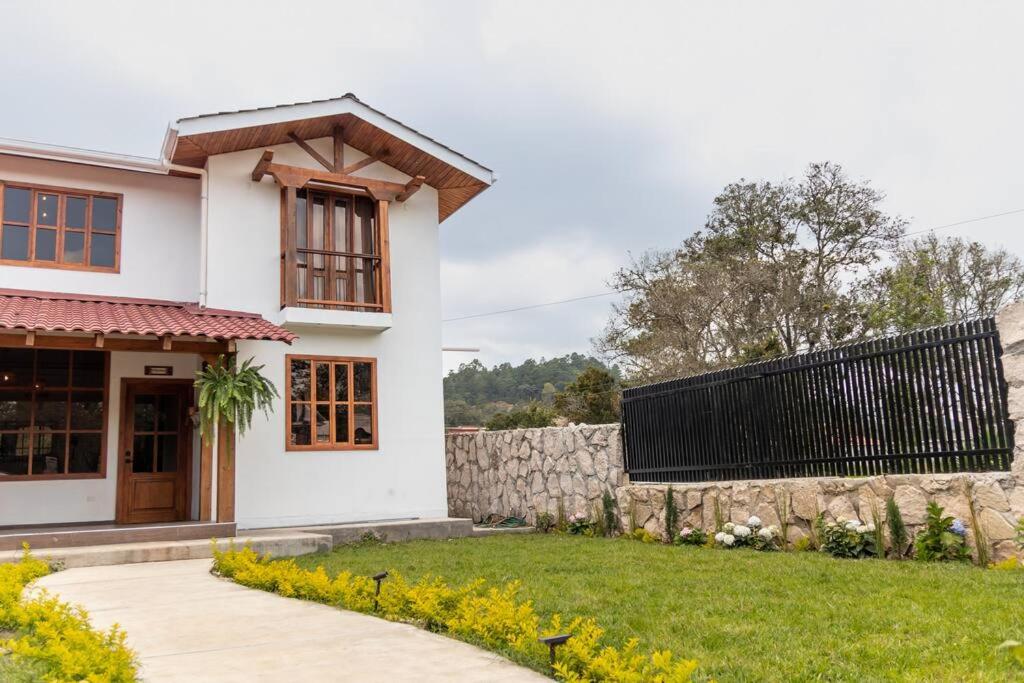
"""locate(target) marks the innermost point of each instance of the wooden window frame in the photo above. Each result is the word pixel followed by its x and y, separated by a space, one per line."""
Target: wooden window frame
pixel 63 193
pixel 313 403
pixel 292 254
pixel 70 389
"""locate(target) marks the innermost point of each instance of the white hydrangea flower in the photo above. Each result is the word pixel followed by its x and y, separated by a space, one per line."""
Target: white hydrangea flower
pixel 774 529
pixel 728 527
pixel 853 524
pixel 754 521
pixel 720 537
pixel 741 531
pixel 728 539
pixel 765 533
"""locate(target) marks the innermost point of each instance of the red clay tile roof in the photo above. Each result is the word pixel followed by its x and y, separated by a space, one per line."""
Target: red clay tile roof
pixel 52 311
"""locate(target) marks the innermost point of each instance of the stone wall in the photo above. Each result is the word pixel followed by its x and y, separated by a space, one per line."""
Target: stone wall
pixel 525 471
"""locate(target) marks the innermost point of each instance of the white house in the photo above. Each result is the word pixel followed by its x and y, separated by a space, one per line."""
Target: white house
pixel 304 236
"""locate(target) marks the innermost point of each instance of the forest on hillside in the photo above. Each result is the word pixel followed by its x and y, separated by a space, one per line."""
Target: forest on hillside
pixel 475 393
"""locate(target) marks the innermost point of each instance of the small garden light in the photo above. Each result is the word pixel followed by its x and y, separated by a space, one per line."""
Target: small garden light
pixel 554 641
pixel 376 594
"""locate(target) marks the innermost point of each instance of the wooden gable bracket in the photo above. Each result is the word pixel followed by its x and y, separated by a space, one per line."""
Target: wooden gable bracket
pixel 411 188
pixel 261 166
pixel 319 158
pixel 30 338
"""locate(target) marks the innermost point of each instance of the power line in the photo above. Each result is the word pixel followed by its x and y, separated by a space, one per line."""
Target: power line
pixel 595 296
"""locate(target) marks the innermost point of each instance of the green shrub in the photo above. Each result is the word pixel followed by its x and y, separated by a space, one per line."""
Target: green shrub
pixel 611 519
pixel 847 538
pixel 783 501
pixel 493 617
pixel 942 539
pixel 51 640
pixel 671 514
pixel 691 536
pixel 643 535
pixel 545 522
pixel 899 539
pixel 532 415
pixel 581 526
pixel 1020 533
pixel 802 544
pixel 750 535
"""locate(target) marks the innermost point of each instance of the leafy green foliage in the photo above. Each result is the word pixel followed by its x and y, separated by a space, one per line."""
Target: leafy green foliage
pixel 899 539
pixel 1020 533
pixel 231 393
pixel 592 398
pixel 1015 649
pixel 691 536
pixel 847 538
pixel 938 541
pixel 545 522
pixel 581 526
pixel 532 415
pixel 608 509
pixel 671 514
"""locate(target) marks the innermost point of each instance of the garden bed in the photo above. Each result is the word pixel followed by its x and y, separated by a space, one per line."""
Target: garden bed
pixel 743 615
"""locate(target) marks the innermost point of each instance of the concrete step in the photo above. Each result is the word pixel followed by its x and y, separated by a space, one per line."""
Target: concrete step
pixel 279 543
pixel 498 530
pixel 393 531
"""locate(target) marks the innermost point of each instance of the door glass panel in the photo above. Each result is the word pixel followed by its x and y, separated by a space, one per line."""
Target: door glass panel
pixel 52 410
pixel 167 453
pixel 87 410
pixel 46 245
pixel 341 226
pixel 46 209
pixel 323 423
pixel 167 413
pixel 48 453
pixel 364 228
pixel 341 381
pixel 104 214
pixel 17 203
pixel 319 230
pixel 300 380
pixel 13 457
pixel 364 424
pixel 15 409
pixel 14 244
pixel 323 382
pixel 145 413
pixel 102 252
pixel 341 424
pixel 300 435
pixel 84 454
pixel 300 227
pixel 74 212
pixel 142 453
pixel 53 369
pixel 74 247
pixel 362 381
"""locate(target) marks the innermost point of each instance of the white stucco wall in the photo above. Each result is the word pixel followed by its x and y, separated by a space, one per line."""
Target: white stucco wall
pixel 159 232
pixel 405 477
pixel 87 500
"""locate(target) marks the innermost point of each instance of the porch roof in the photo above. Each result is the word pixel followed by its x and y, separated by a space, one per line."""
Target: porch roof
pixel 54 311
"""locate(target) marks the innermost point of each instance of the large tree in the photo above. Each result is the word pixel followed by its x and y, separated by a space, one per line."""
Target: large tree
pixel 774 270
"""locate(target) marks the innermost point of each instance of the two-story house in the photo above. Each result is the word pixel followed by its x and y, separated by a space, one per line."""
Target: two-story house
pixel 304 236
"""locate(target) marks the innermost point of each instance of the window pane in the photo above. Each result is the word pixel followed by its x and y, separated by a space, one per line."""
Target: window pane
pixel 87 370
pixel 84 453
pixel 87 410
pixel 167 454
pixel 17 203
pixel 16 367
pixel 102 252
pixel 142 453
pixel 341 424
pixel 145 413
pixel 300 435
pixel 341 381
pixel 52 410
pixel 74 247
pixel 167 416
pixel 15 242
pixel 323 382
pixel 74 212
pixel 46 245
pixel 300 380
pixel 15 409
pixel 364 424
pixel 104 214
pixel 362 382
pixel 46 209
pixel 323 423
pixel 48 455
pixel 13 454
pixel 53 369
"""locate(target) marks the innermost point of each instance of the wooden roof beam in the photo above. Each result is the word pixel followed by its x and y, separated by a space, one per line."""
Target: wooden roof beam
pixel 411 188
pixel 260 169
pixel 297 176
pixel 319 158
pixel 352 168
pixel 338 134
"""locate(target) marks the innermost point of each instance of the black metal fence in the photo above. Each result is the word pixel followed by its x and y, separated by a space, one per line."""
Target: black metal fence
pixel 923 402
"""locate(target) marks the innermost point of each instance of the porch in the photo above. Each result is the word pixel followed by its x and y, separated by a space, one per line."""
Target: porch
pixel 46 536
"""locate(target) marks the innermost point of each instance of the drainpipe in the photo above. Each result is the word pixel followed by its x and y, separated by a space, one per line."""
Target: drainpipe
pixel 204 232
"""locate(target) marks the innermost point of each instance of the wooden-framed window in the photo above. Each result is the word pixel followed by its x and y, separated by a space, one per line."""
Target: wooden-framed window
pixel 340 252
pixel 53 414
pixel 331 403
pixel 52 227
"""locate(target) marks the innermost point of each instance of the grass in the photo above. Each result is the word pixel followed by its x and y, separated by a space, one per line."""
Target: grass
pixel 745 616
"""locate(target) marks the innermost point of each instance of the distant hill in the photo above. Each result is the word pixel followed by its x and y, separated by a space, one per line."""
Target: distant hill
pixel 474 393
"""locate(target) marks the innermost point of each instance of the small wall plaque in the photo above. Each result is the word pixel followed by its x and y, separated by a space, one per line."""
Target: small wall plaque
pixel 159 370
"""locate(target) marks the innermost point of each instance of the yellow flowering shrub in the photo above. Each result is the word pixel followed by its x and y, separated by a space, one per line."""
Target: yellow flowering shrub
pixel 53 639
pixel 493 617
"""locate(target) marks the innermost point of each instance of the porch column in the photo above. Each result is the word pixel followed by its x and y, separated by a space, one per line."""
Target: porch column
pixel 225 464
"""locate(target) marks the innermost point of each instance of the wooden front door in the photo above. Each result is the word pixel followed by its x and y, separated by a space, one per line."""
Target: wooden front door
pixel 156 450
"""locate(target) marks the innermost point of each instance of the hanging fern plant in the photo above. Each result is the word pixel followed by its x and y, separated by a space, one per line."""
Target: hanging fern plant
pixel 229 395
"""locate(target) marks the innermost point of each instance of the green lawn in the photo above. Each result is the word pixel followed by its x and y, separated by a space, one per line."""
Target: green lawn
pixel 746 616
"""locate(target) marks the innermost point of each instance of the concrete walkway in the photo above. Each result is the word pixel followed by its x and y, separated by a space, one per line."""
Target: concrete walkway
pixel 187 625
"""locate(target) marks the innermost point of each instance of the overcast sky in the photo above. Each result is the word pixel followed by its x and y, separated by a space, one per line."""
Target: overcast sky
pixel 611 125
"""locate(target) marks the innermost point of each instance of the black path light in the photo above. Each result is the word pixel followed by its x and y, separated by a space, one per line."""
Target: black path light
pixel 379 578
pixel 554 641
